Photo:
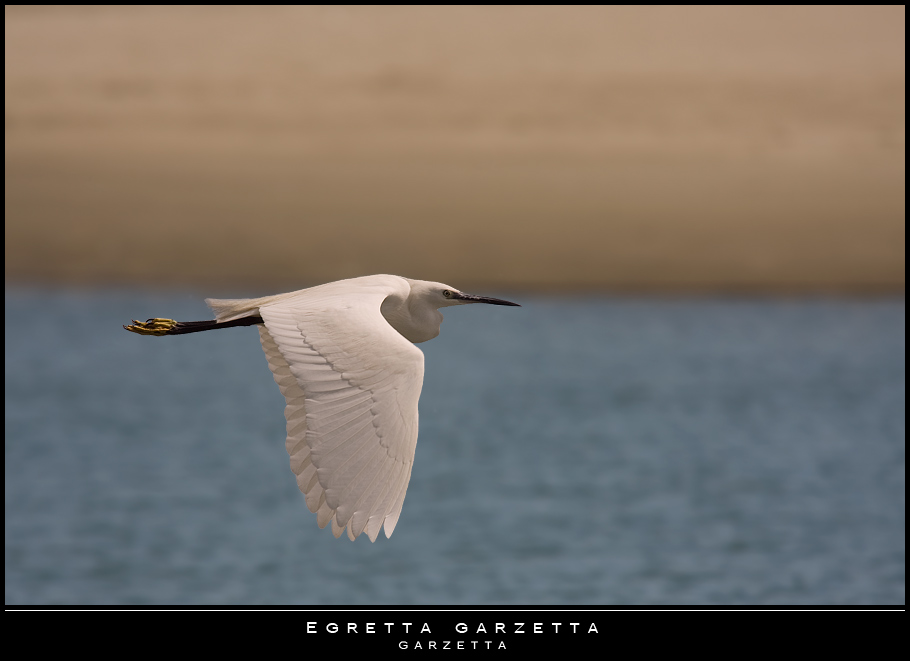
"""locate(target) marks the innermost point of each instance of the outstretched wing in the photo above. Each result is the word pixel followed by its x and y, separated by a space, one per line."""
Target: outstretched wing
pixel 351 383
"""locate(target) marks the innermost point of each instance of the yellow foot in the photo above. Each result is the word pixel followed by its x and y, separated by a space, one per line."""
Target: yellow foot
pixel 156 326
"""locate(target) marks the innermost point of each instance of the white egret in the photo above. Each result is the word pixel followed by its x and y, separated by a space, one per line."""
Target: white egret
pixel 342 356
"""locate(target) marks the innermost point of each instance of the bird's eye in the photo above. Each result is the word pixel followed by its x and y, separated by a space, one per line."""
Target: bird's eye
pixel 447 293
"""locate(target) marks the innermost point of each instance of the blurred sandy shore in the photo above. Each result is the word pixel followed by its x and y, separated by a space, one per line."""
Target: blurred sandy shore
pixel 659 149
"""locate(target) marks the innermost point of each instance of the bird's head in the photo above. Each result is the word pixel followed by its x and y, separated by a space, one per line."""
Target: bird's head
pixel 440 295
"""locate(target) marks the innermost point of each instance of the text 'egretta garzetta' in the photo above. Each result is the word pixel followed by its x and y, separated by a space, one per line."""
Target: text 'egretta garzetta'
pixel 342 356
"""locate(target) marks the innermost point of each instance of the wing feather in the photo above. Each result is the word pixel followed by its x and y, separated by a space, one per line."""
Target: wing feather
pixel 324 514
pixel 351 385
pixel 391 520
pixel 295 413
pixel 372 492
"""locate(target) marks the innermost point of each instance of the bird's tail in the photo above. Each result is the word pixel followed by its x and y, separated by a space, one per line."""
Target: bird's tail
pixel 229 309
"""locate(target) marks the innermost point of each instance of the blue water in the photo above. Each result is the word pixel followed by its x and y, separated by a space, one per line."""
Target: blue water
pixel 572 451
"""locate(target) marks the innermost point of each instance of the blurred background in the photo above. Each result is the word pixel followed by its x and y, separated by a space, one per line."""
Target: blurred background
pixel 621 148
pixel 701 210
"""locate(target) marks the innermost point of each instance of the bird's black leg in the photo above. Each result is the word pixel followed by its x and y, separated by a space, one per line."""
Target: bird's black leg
pixel 159 326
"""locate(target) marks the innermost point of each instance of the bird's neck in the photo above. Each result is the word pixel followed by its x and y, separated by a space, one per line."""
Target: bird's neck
pixel 416 322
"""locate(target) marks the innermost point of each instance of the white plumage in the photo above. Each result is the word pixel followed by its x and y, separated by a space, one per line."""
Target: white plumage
pixel 342 356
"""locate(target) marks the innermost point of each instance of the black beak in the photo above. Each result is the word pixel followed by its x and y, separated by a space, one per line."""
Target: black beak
pixel 482 299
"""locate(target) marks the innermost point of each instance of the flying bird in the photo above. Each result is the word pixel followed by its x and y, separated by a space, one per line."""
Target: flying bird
pixel 343 356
